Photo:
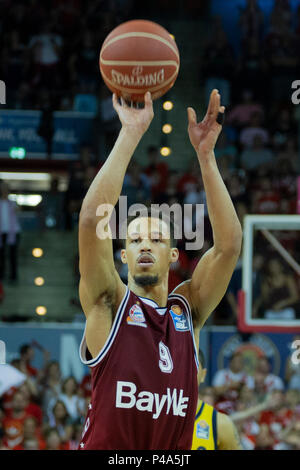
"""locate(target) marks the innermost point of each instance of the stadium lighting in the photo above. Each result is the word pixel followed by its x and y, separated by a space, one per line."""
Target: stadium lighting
pixel 41 310
pixel 167 128
pixel 17 153
pixel 37 252
pixel 31 200
pixel 9 175
pixel 165 151
pixel 39 281
pixel 168 105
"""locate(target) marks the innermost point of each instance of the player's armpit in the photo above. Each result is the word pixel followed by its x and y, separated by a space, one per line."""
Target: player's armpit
pixel 209 282
pixel 228 436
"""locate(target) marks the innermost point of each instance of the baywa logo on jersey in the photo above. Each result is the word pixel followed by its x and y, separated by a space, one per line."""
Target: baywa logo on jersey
pixel 179 318
pixel 136 316
pixel 202 430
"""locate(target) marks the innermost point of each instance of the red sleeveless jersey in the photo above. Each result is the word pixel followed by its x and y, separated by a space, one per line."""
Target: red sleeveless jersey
pixel 144 379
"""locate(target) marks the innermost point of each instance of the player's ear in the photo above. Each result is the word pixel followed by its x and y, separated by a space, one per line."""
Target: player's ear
pixel 174 255
pixel 123 256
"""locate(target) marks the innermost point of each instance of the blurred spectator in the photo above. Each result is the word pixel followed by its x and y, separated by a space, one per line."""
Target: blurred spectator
pixel 190 176
pixel 32 436
pixel 45 49
pixel 228 383
pixel 276 419
pixel 26 357
pixel 13 421
pixel 241 113
pixel 50 384
pixel 9 233
pixel 157 170
pixel 251 21
pixel 281 57
pixel 136 185
pixel 46 125
pixel 279 294
pixel 289 152
pixel 53 441
pixel 60 420
pixel 217 64
pixel 254 128
pixel 266 199
pixel 283 127
pixel 251 70
pixel 271 382
pixel 52 206
pixel 257 155
pixel 69 396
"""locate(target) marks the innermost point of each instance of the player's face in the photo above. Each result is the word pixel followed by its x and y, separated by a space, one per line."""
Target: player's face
pixel 148 250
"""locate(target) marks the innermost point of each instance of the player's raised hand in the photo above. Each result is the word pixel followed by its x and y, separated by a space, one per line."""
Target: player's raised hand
pixel 204 135
pixel 132 118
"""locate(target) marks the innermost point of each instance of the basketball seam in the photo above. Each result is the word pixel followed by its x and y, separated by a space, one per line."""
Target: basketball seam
pixel 138 34
pixel 143 63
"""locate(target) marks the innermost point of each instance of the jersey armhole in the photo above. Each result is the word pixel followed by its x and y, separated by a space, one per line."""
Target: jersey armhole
pixel 190 319
pixel 85 354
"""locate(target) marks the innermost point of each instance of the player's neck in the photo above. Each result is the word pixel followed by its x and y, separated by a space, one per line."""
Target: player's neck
pixel 158 293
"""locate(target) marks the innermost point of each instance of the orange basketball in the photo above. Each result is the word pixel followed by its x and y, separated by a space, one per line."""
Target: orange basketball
pixel 139 56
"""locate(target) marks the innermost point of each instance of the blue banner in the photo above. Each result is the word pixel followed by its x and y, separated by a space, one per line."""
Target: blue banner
pixel 275 346
pixel 19 129
pixel 61 340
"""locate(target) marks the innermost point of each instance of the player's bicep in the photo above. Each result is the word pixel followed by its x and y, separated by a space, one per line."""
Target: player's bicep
pixel 228 436
pixel 96 263
pixel 210 280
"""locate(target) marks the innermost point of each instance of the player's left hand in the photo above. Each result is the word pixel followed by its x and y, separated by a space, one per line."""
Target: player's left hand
pixel 204 135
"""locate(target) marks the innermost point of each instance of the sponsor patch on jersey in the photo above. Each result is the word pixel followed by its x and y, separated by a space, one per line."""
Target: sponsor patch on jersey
pixel 179 318
pixel 136 316
pixel 202 430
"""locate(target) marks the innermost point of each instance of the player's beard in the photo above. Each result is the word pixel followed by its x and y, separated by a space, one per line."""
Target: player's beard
pixel 146 279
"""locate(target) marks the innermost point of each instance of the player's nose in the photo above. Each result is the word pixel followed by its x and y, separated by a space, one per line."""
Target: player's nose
pixel 145 245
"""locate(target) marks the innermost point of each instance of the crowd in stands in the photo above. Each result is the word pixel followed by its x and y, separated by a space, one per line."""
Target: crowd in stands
pixel 47 411
pixel 257 152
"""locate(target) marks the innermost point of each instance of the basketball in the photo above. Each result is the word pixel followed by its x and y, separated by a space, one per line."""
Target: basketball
pixel 139 56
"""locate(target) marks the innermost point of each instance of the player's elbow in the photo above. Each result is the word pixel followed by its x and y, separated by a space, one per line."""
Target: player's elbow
pixel 231 248
pixel 87 218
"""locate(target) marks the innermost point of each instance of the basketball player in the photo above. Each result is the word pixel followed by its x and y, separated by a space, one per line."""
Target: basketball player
pixel 212 430
pixel 140 341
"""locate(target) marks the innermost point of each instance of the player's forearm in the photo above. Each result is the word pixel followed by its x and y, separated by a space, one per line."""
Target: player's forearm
pixel 227 231
pixel 107 185
pixel 240 415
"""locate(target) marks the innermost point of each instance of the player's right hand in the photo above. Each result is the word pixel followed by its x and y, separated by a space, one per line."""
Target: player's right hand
pixel 134 120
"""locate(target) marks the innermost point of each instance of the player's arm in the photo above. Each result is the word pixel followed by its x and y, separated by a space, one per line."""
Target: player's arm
pixel 228 436
pixel 99 281
pixel 213 272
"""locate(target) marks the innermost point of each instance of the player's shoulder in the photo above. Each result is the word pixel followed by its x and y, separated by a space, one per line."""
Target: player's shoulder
pixel 224 423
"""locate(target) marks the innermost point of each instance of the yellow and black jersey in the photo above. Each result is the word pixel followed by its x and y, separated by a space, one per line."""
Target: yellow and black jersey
pixel 205 429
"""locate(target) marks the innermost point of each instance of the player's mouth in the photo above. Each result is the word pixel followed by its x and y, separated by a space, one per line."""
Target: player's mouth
pixel 145 260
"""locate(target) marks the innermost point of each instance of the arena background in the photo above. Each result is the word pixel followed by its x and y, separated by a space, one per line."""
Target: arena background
pixel 56 130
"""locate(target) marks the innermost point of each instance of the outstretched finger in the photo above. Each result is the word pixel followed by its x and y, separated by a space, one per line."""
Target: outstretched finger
pixel 192 116
pixel 148 99
pixel 212 104
pixel 115 101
